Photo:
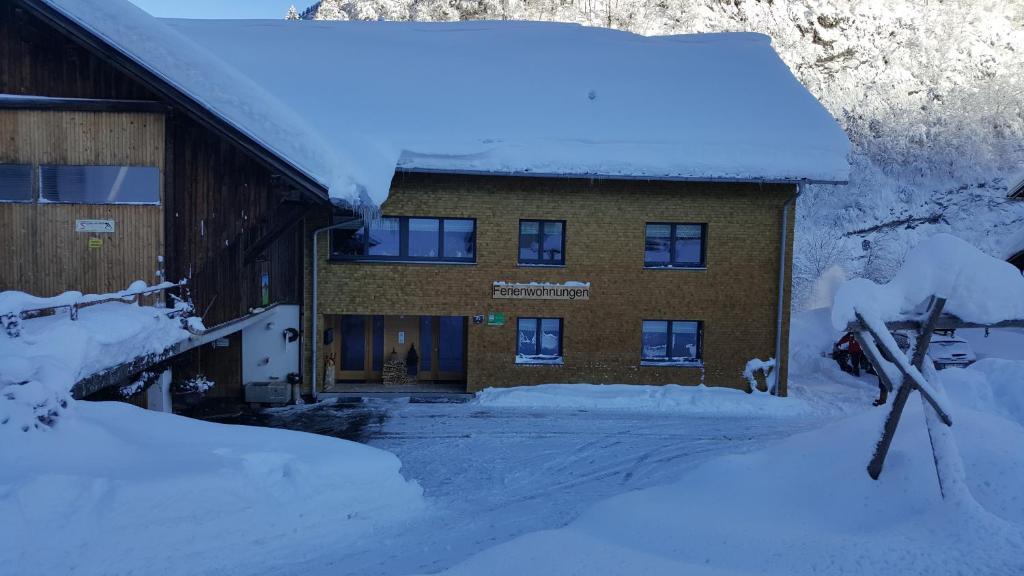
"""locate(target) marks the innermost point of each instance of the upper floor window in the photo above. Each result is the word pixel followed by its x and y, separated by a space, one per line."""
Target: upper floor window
pixel 675 245
pixel 670 342
pixel 542 242
pixel 403 238
pixel 100 184
pixel 16 183
pixel 539 341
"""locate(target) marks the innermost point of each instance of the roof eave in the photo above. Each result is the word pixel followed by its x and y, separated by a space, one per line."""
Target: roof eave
pixel 598 176
pixel 206 117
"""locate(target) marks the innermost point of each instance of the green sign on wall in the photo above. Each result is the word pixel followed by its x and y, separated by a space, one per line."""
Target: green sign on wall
pixel 495 318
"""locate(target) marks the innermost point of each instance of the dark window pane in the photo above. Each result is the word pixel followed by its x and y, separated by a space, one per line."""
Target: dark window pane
pixel 688 244
pixel 656 246
pixel 527 337
pixel 349 241
pixel 459 239
pixel 450 343
pixel 378 343
pixel 551 337
pixel 684 340
pixel 529 243
pixel 16 183
pixel 353 343
pixel 426 342
pixel 100 184
pixel 424 235
pixel 655 339
pixel 552 241
pixel 384 237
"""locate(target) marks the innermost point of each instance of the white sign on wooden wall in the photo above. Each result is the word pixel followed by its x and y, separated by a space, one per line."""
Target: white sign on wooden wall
pixel 94 226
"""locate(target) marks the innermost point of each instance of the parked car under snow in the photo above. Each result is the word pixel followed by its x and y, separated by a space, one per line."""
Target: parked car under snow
pixel 948 350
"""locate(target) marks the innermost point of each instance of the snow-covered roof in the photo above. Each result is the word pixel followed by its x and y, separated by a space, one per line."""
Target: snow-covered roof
pixel 349 102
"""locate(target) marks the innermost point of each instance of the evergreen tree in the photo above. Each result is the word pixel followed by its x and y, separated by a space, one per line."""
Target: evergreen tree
pixel 293 14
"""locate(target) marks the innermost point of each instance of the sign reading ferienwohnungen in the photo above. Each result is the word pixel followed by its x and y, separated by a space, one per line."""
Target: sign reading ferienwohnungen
pixel 579 291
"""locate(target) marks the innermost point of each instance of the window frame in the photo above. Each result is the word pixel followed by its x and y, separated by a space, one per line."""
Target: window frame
pixel 667 360
pixel 403 244
pixel 540 231
pixel 40 179
pixel 33 195
pixel 539 359
pixel 672 264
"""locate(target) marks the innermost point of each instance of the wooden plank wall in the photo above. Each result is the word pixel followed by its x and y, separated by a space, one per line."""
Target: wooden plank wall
pixel 49 257
pixel 37 60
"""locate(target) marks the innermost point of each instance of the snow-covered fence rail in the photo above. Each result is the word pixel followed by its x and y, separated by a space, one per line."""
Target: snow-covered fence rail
pixel 18 306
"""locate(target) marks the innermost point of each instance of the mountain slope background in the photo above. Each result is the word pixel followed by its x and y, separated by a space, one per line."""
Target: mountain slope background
pixel 930 92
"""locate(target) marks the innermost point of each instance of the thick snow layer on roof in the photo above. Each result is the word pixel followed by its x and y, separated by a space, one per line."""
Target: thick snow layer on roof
pixel 348 102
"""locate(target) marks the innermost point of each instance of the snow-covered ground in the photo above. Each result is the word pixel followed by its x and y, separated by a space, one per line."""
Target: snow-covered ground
pixel 492 473
pixel 114 489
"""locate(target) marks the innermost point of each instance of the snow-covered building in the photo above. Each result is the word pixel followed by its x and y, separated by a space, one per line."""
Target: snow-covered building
pixel 519 202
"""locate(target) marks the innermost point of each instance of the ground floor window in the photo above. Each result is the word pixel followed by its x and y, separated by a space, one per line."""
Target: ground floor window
pixel 671 342
pixel 539 341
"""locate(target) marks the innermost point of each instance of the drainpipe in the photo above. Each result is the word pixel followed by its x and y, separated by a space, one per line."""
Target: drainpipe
pixel 780 310
pixel 316 265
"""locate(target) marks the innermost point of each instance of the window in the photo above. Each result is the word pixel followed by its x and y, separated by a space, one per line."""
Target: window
pixel 542 242
pixel 539 341
pixel 674 245
pixel 407 239
pixel 100 184
pixel 671 342
pixel 16 183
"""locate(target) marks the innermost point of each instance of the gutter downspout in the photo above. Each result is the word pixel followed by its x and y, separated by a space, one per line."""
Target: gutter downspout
pixel 780 310
pixel 316 265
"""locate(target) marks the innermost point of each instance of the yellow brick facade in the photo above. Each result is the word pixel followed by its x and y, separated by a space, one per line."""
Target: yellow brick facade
pixel 735 296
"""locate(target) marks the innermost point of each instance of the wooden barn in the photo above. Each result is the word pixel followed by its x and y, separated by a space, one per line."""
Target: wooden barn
pixel 109 174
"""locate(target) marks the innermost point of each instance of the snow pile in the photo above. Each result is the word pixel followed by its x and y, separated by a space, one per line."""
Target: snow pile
pixel 978 287
pixel 767 370
pixel 991 385
pixel 671 398
pixel 39 367
pixel 121 490
pixel 805 506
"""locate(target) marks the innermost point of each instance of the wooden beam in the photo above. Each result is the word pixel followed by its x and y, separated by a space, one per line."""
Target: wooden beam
pixel 11 102
pixel 893 420
pixel 287 215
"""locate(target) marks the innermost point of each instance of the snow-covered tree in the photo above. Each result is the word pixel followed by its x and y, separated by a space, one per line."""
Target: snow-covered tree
pixel 293 14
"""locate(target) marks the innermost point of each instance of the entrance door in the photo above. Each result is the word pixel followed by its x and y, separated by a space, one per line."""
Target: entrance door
pixel 451 348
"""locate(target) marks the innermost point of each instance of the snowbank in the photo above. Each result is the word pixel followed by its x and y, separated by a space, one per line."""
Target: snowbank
pixel 990 385
pixel 120 490
pixel 803 507
pixel 977 287
pixel 693 400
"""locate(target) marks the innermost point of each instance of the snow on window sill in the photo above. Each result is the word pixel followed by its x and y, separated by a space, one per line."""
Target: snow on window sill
pixel 696 268
pixel 335 260
pixel 539 360
pixel 529 265
pixel 680 363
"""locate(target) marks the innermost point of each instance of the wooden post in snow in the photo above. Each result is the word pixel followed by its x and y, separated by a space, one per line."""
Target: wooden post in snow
pixel 924 337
